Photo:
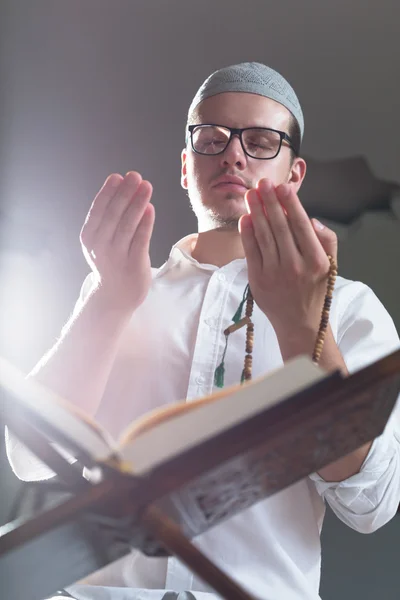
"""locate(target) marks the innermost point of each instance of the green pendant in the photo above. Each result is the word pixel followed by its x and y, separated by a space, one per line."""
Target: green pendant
pixel 219 375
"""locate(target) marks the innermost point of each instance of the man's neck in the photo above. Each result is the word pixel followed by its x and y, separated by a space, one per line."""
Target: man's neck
pixel 218 247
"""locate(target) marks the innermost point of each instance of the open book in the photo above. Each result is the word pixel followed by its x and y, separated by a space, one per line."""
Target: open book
pixel 162 433
pixel 203 461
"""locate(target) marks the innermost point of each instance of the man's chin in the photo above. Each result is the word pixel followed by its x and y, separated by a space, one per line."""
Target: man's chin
pixel 226 219
pixel 222 211
pixel 228 202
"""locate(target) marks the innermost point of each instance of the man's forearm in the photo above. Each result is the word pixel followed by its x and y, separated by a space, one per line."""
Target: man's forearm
pixel 78 366
pixel 294 344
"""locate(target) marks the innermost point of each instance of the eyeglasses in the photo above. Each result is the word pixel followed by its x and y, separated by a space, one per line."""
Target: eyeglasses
pixel 262 143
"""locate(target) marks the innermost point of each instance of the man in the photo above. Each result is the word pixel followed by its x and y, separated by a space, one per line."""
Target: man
pixel 142 337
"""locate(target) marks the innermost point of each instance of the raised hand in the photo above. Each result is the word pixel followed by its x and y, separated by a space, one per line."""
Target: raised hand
pixel 287 259
pixel 115 239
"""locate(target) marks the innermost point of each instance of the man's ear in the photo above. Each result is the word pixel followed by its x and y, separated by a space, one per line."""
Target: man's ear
pixel 297 173
pixel 184 182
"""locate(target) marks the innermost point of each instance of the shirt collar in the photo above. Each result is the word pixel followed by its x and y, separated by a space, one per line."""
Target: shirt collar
pixel 182 252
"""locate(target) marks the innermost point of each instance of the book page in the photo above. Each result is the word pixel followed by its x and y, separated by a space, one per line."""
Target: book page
pixel 56 412
pixel 168 431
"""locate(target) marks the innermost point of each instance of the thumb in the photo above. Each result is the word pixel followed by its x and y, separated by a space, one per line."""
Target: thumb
pixel 327 237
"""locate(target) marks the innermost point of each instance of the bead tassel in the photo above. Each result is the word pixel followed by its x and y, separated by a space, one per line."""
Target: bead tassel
pixel 238 314
pixel 220 370
pixel 238 322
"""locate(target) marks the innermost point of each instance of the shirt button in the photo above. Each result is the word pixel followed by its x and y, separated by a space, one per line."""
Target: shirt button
pixel 200 380
pixel 221 277
pixel 211 322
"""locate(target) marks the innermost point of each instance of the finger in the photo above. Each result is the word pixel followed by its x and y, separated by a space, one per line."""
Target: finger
pixel 300 224
pixel 118 205
pixel 250 244
pixel 327 238
pixel 141 240
pixel 99 205
pixel 130 219
pixel 262 229
pixel 281 230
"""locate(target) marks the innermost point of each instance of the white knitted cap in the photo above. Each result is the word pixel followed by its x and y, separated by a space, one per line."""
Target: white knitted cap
pixel 254 78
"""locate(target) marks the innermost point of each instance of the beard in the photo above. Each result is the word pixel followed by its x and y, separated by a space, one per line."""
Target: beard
pixel 223 214
pixel 220 221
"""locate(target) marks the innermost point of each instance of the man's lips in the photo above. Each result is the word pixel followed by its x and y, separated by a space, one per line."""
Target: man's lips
pixel 230 182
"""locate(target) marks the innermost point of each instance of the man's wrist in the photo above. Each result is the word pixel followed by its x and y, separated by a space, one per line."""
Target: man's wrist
pixel 302 341
pixel 110 305
pixel 293 342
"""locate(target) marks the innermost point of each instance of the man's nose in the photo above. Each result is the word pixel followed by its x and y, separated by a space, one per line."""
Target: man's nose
pixel 234 154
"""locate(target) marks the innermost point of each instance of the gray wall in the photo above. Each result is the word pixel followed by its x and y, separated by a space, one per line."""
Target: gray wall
pixel 357 566
pixel 87 88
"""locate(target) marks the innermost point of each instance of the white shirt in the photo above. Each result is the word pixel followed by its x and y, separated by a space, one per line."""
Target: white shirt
pixel 169 353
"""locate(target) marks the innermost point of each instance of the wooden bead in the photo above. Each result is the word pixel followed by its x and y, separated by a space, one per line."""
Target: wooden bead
pixel 320 339
pixel 323 326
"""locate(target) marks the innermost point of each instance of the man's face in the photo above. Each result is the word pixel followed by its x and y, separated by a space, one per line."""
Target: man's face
pixel 222 205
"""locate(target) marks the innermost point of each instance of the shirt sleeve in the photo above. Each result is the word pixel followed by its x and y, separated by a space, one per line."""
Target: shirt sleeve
pixel 369 499
pixel 86 288
pixel 24 464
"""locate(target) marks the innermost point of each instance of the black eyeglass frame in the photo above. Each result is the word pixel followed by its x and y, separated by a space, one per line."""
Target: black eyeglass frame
pixel 239 132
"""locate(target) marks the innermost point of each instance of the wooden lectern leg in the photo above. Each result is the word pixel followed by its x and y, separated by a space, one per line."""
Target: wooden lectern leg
pixel 167 532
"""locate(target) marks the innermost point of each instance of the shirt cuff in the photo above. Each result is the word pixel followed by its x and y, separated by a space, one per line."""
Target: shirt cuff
pixel 375 464
pixel 370 498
